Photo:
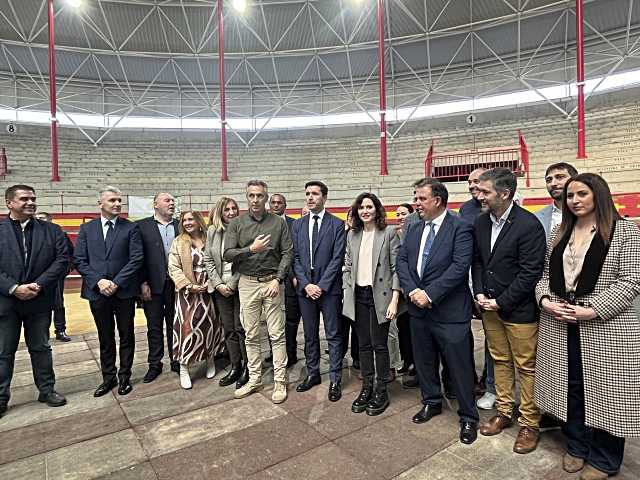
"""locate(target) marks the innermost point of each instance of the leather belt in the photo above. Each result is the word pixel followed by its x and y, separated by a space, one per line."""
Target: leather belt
pixel 263 278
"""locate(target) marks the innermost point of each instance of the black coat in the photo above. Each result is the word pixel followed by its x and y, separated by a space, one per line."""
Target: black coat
pixel 154 269
pixel 47 263
pixel 509 273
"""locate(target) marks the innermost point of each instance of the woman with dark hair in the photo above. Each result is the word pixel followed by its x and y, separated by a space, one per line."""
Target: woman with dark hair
pixel 223 284
pixel 588 361
pixel 197 332
pixel 371 296
pixel 404 332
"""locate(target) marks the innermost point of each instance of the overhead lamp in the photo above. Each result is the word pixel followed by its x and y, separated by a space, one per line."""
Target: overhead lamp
pixel 239 5
pixel 74 3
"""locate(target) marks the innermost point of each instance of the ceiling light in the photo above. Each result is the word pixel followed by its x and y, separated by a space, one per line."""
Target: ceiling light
pixel 74 3
pixel 239 5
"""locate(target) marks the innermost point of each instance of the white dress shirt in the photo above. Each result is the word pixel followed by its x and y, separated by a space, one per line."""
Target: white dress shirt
pixel 556 216
pixel 437 223
pixel 311 221
pixel 497 224
pixel 105 227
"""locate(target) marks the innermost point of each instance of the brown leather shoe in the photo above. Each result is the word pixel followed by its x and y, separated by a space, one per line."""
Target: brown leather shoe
pixel 592 473
pixel 527 440
pixel 572 464
pixel 495 425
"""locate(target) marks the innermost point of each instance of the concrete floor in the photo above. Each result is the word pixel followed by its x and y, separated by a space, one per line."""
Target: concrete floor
pixel 160 431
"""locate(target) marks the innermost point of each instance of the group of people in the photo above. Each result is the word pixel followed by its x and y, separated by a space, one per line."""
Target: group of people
pixel 554 291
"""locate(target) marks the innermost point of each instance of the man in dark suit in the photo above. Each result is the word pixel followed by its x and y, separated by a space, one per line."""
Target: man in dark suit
pixel 109 255
pixel 278 206
pixel 508 262
pixel 318 244
pixel 433 268
pixel 33 257
pixel 59 314
pixel 158 291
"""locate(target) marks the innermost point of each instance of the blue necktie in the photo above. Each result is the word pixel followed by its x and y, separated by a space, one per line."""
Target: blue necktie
pixel 427 245
pixel 314 238
pixel 108 239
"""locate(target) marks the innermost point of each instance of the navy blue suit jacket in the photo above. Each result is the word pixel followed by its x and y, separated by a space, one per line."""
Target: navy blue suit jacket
pixel 328 254
pixel 120 264
pixel 46 265
pixel 446 278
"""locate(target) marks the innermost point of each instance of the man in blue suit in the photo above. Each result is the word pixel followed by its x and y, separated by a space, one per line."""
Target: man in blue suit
pixel 108 255
pixel 433 268
pixel 318 244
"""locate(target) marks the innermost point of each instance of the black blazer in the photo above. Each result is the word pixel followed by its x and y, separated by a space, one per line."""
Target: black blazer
pixel 510 272
pixel 47 264
pixel 120 264
pixel 154 269
pixel 446 277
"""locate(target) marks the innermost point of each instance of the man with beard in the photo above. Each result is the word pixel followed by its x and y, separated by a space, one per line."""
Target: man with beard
pixel 555 177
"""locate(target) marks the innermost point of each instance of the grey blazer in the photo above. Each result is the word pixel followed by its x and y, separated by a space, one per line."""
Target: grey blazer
pixel 544 216
pixel 386 245
pixel 213 261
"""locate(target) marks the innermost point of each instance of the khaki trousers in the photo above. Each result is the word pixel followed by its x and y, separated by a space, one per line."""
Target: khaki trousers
pixel 513 344
pixel 254 304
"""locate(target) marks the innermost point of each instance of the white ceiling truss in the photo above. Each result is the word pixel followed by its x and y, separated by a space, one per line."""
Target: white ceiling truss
pixel 301 57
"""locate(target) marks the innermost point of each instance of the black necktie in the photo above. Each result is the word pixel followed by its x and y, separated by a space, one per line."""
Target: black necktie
pixel 314 237
pixel 108 239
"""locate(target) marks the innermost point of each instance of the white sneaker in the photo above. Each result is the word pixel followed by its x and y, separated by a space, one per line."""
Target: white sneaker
pixel 249 388
pixel 211 367
pixel 487 401
pixel 185 379
pixel 279 394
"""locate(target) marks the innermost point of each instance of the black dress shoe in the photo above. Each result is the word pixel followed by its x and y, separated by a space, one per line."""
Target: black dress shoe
pixel 410 382
pixel 175 367
pixel 152 374
pixel 356 364
pixel 359 405
pixel 125 387
pixel 3 409
pixel 426 413
pixel 549 422
pixel 53 399
pixel 62 336
pixel 244 378
pixel 105 388
pixel 378 403
pixel 291 361
pixel 335 392
pixel 468 432
pixel 308 383
pixel 232 376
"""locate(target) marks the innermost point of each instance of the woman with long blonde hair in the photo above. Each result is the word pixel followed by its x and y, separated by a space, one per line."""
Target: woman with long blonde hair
pixel 223 284
pixel 197 332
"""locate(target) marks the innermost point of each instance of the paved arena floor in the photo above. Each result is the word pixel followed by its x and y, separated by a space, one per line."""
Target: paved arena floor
pixel 160 431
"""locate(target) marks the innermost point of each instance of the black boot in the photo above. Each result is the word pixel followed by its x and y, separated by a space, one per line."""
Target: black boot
pixel 378 403
pixel 243 379
pixel 232 376
pixel 359 405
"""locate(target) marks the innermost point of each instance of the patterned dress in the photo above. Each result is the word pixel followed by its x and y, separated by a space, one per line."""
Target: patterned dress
pixel 197 332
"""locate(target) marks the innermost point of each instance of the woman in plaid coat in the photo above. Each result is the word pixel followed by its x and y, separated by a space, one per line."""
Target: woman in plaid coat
pixel 588 363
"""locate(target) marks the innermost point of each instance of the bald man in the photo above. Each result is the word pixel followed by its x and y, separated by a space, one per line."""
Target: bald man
pixel 472 208
pixel 158 291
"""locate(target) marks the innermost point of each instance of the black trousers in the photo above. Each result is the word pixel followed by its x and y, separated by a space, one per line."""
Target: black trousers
pixel 228 309
pixel 446 377
pixel 59 318
pixel 451 341
pixel 404 333
pixel 372 338
pixel 107 313
pixel 160 311
pixel 292 320
pixel 347 324
pixel 597 447
pixel 36 335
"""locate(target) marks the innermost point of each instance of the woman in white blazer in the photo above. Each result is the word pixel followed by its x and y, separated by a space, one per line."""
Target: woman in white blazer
pixel 371 296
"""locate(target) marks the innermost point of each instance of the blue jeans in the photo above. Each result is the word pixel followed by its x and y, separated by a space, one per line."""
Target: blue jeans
pixel 490 380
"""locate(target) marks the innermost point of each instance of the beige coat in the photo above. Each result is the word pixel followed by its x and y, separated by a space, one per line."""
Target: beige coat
pixel 213 261
pixel 386 245
pixel 181 264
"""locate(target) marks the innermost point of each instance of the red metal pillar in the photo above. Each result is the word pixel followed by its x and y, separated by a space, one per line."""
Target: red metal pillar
pixel 223 107
pixel 383 96
pixel 580 78
pixel 55 177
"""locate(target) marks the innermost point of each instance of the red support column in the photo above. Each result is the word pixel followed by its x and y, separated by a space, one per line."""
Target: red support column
pixel 55 177
pixel 223 107
pixel 383 96
pixel 580 78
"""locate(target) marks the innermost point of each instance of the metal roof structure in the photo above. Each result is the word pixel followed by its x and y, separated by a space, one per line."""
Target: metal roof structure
pixel 301 57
